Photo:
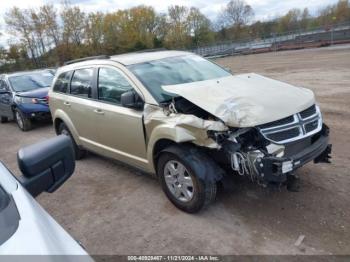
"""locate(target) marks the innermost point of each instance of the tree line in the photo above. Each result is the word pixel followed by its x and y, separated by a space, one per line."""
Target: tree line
pixel 47 36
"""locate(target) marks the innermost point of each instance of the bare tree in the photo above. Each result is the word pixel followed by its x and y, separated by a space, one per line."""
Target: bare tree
pixel 236 14
pixel 73 24
pixel 38 28
pixel 48 15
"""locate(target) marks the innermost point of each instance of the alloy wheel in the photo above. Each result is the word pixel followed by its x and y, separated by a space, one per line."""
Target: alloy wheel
pixel 178 181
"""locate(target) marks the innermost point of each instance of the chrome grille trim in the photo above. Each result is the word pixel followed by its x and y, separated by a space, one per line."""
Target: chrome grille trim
pixel 298 122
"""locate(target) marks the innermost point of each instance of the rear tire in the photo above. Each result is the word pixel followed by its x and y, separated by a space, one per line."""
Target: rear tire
pixel 4 119
pixel 24 123
pixel 202 193
pixel 79 153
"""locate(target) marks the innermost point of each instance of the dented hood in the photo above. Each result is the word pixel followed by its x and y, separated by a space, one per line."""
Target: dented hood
pixel 245 100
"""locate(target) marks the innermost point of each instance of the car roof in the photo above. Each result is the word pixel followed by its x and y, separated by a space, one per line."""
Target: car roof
pixel 124 59
pixel 142 57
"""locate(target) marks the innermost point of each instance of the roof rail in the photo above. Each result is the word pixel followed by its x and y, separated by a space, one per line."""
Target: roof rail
pixel 86 59
pixel 151 50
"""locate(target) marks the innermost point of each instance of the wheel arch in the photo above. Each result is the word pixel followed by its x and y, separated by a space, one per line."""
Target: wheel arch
pixel 61 117
pixel 204 166
pixel 162 136
pixel 158 147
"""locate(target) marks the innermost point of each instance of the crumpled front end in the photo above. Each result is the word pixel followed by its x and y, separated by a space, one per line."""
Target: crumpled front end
pixel 269 153
pixel 266 153
pixel 167 122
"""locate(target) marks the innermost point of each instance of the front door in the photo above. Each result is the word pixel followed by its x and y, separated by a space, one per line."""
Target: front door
pixel 120 129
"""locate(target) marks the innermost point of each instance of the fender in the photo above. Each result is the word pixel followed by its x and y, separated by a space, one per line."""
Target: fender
pixel 165 131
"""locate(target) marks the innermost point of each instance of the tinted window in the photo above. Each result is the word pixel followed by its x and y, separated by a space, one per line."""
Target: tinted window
pixel 81 82
pixel 62 82
pixel 111 85
pixel 30 81
pixel 173 71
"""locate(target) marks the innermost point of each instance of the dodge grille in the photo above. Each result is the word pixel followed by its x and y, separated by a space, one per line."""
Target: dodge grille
pixel 295 127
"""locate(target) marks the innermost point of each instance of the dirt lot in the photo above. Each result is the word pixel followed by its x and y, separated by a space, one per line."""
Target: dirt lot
pixel 113 209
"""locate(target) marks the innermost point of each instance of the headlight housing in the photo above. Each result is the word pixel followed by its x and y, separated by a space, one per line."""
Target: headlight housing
pixel 25 100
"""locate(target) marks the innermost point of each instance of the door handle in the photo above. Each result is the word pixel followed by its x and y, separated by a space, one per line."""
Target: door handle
pixel 99 111
pixel 66 103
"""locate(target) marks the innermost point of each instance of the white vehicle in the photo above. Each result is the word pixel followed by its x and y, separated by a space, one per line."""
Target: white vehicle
pixel 25 227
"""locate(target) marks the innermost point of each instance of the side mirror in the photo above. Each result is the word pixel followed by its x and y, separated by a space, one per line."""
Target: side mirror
pixel 46 165
pixel 132 99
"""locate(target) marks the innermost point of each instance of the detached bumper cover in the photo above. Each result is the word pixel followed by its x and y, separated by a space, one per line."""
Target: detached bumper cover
pixel 276 169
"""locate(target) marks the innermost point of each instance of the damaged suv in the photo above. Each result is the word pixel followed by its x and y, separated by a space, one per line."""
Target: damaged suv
pixel 188 121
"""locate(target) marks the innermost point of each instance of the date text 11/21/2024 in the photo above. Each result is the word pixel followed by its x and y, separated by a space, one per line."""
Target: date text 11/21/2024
pixel 173 258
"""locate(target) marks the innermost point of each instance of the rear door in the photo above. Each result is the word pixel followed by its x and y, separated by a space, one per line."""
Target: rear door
pixel 80 104
pixel 120 129
pixel 5 99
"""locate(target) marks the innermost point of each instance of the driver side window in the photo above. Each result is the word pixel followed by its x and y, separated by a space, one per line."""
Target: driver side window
pixel 111 85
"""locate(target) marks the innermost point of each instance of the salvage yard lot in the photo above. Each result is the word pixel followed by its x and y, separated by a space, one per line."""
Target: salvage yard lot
pixel 114 209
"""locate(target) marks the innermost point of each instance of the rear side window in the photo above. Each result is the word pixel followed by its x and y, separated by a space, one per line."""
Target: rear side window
pixel 81 82
pixel 62 82
pixel 111 85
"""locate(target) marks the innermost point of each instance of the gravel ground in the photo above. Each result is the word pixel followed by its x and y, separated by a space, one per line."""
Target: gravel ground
pixel 113 209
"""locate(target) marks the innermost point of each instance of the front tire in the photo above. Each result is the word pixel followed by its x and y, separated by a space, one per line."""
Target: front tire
pixel 79 153
pixel 182 185
pixel 24 123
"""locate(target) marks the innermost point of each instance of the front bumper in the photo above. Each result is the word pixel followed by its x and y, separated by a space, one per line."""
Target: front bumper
pixel 35 111
pixel 276 169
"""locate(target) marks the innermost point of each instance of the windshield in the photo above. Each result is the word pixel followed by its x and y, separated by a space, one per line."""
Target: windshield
pixel 31 81
pixel 173 71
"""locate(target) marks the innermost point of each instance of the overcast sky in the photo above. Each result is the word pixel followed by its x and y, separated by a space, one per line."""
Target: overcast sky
pixel 264 9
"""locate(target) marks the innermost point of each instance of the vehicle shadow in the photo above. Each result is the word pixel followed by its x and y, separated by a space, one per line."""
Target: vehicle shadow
pixel 36 124
pixel 40 124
